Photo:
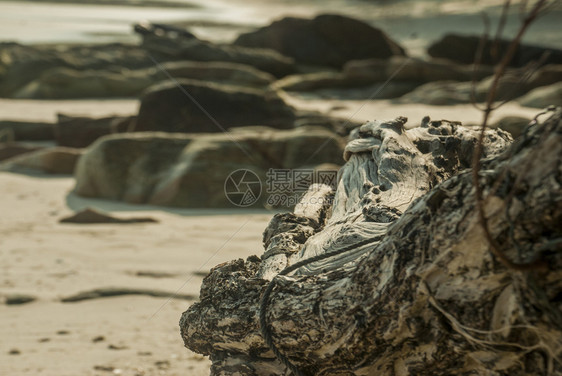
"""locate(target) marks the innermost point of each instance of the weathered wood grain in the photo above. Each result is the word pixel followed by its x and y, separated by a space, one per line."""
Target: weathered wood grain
pixel 423 295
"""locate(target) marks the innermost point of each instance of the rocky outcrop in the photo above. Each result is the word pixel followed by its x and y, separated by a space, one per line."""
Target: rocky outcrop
pixel 395 76
pixel 511 86
pixel 328 39
pixel 191 170
pixel 68 71
pixel 168 43
pixel 543 97
pixel 27 130
pixel 439 93
pixel 57 160
pixel 59 83
pixel 396 276
pixel 12 149
pixel 197 106
pixel 80 132
pixel 515 125
pixel 462 49
pixel 20 65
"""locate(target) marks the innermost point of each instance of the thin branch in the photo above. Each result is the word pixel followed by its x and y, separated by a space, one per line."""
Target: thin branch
pixel 492 93
pixel 478 60
pixel 494 51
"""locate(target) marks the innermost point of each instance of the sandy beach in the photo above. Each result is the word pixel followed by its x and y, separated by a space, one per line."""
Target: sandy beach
pixel 128 335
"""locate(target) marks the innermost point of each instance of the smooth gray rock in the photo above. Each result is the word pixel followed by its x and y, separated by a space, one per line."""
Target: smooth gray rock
pixel 190 170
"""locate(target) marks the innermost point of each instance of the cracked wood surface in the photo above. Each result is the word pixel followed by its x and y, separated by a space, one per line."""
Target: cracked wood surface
pixel 426 297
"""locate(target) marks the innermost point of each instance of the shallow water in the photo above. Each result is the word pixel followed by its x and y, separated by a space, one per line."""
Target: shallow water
pixel 413 23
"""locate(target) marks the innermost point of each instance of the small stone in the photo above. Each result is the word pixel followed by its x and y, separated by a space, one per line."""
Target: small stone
pixel 63 332
pixel 17 299
pixel 162 364
pixel 98 339
pixel 14 352
pixel 104 368
pixel 116 347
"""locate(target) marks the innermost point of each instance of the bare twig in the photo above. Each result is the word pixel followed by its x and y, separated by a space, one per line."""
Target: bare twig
pixel 489 107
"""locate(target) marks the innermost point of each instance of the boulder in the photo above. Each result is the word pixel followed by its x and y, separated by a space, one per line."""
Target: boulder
pixel 11 149
pixel 191 170
pixel 315 81
pixel 401 68
pixel 512 86
pixel 20 65
pixel 60 83
pixel 512 124
pixel 216 71
pixel 462 49
pixel 99 70
pixel 326 40
pixel 167 44
pixel 439 93
pixel 543 96
pixel 27 130
pixel 56 160
pixel 398 75
pixel 80 132
pixel 189 108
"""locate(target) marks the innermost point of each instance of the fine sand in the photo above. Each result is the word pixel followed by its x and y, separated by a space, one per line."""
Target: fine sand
pixel 356 110
pixel 128 334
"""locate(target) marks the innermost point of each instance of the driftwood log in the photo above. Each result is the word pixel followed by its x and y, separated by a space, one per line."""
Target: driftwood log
pixel 410 286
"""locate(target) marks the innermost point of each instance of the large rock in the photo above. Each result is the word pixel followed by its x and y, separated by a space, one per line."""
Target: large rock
pixel 401 68
pixel 167 43
pixel 462 49
pixel 57 160
pixel 27 130
pixel 543 96
pixel 515 125
pixel 12 149
pixel 395 76
pixel 191 170
pixel 21 65
pixel 58 83
pixel 62 71
pixel 218 71
pixel 169 108
pixel 439 93
pixel 80 132
pixel 61 83
pixel 327 39
pixel 510 86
